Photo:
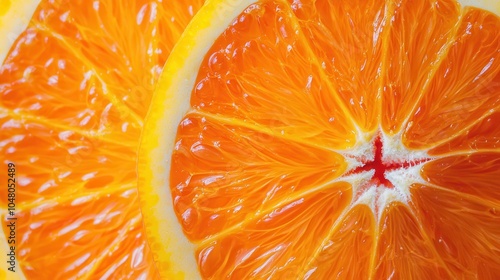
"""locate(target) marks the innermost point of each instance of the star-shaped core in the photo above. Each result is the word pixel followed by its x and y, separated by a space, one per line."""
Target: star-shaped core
pixel 381 167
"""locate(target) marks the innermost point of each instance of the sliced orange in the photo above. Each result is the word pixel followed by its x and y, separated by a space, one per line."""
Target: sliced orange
pixel 328 140
pixel 75 88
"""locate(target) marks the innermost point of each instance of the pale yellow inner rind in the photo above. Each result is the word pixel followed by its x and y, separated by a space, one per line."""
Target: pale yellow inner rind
pixel 172 95
pixel 15 16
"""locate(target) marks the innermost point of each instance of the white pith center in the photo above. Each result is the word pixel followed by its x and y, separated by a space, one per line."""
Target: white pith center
pixel 403 171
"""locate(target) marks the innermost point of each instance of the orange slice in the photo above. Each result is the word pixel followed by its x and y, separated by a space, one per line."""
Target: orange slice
pixel 328 139
pixel 75 88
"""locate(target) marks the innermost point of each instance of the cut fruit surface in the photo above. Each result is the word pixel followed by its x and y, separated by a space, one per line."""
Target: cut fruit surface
pixel 75 88
pixel 321 139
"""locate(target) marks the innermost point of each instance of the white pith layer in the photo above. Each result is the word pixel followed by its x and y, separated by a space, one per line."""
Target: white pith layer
pixel 373 194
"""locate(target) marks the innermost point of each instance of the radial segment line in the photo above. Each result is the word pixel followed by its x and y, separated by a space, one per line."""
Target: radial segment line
pixel 155 25
pixel 332 184
pixel 334 228
pixel 324 77
pixel 465 129
pixel 430 243
pixel 257 128
pixel 373 254
pixel 120 105
pixel 435 66
pixel 466 153
pixel 389 14
pixel 483 201
pixel 122 235
pixel 63 127
pixel 64 198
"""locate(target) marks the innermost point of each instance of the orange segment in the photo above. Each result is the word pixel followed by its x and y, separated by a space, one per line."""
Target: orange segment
pixel 230 82
pixel 483 135
pixel 48 158
pixel 352 237
pixel 403 248
pixel 132 251
pixel 215 162
pixel 465 87
pixel 463 230
pixel 107 219
pixel 275 255
pixel 74 90
pixel 354 71
pixel 479 173
pixel 41 91
pixel 421 32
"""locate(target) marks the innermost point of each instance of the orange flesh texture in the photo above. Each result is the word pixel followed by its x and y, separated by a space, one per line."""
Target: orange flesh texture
pixel 75 89
pixel 465 87
pixel 256 174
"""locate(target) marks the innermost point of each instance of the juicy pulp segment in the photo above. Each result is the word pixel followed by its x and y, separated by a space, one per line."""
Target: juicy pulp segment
pixel 305 220
pixel 48 158
pixel 352 237
pixel 353 72
pixel 464 88
pixel 483 135
pixel 109 219
pixel 415 48
pixel 459 224
pixel 479 173
pixel 230 80
pixel 215 162
pixel 403 248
